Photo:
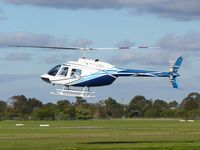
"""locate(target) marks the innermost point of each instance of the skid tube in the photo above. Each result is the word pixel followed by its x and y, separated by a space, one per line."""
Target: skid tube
pixel 66 91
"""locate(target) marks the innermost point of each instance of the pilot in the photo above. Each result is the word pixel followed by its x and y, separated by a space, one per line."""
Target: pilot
pixel 74 74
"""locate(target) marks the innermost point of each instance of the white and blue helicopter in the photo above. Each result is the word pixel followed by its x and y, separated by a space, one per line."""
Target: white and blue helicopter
pixel 87 73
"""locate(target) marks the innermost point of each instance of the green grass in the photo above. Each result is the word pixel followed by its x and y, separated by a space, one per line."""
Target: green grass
pixel 137 134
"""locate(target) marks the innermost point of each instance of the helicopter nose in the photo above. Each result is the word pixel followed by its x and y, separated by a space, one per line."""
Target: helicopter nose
pixel 45 78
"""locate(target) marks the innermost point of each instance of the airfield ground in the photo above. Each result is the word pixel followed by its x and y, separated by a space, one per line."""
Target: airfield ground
pixel 137 134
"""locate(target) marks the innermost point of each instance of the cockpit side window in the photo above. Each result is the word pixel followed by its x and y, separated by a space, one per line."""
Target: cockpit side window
pixel 54 71
pixel 75 73
pixel 64 71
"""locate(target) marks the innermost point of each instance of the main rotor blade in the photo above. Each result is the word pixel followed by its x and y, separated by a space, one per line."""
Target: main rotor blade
pixel 50 47
pixel 81 48
pixel 123 48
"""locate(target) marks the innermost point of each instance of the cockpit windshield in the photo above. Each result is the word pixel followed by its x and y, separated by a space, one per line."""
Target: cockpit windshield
pixel 54 71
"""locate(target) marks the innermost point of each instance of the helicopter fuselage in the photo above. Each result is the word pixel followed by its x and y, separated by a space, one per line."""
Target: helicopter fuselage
pixel 92 73
pixel 81 73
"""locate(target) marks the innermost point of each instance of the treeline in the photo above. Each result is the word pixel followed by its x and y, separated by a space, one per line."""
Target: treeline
pixel 20 107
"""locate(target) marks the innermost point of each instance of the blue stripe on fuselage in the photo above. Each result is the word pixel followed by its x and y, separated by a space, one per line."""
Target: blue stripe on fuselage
pixel 98 81
pixel 141 73
pixel 106 77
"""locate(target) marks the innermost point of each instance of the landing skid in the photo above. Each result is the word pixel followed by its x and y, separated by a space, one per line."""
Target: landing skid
pixel 65 91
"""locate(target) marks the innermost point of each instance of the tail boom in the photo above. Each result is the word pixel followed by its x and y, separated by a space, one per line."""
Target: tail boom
pixel 172 74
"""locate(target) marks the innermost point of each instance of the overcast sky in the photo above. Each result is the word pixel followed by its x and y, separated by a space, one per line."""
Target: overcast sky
pixel 173 25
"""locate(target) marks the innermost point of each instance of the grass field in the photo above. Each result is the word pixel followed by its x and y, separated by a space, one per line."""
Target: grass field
pixel 101 134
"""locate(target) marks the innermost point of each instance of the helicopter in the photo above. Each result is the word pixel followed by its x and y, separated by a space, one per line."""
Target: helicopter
pixel 86 73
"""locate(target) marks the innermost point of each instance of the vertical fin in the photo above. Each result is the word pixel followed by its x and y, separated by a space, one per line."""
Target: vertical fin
pixel 174 72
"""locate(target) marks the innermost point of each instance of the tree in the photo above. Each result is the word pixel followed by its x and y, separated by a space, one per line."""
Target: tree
pixel 139 105
pixel 66 109
pixel 100 110
pixel 62 104
pixel 19 105
pixel 173 104
pixel 3 106
pixel 32 104
pixel 46 112
pixel 192 96
pixel 80 100
pixel 113 109
pixel 83 110
pixel 151 113
pixel 180 113
pixel 190 105
pixel 168 113
pixel 160 105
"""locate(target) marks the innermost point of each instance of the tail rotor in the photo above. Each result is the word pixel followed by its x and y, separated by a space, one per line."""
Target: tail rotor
pixel 173 72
